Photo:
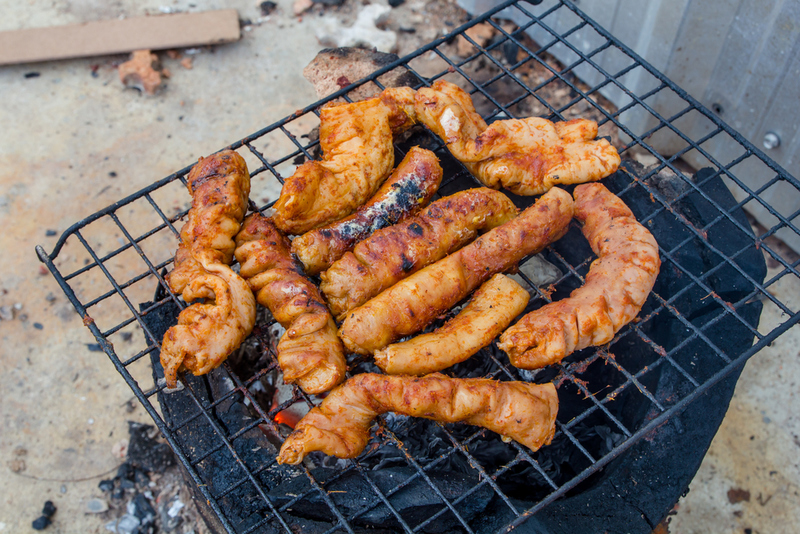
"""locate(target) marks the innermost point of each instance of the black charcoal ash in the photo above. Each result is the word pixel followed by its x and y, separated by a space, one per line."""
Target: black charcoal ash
pixel 415 501
pixel 44 520
pixel 267 8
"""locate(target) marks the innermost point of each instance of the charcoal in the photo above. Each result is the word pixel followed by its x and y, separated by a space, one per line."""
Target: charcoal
pixel 145 452
pixel 661 476
pixel 125 472
pixel 169 510
pixel 415 502
pixel 142 509
pixel 140 477
pixel 49 509
pixel 41 523
pixel 267 8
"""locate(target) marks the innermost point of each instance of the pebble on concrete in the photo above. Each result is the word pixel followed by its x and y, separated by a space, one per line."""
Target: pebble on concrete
pixel 96 506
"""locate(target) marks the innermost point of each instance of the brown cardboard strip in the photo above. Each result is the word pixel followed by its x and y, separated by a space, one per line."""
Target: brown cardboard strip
pixel 118 36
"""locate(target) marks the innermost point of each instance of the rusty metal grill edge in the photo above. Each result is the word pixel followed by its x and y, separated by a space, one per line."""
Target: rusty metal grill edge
pixel 505 70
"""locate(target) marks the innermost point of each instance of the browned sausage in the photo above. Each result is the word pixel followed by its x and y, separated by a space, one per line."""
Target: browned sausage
pixel 409 189
pixel 396 252
pixel 410 305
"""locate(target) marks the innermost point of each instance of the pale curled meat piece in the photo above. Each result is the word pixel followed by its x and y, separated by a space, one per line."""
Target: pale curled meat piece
pixel 409 189
pixel 396 252
pixel 358 155
pixel 615 290
pixel 491 309
pixel 208 332
pixel 526 156
pixel 412 304
pixel 339 426
pixel 310 353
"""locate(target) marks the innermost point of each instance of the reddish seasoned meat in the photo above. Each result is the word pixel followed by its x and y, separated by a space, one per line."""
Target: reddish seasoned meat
pixel 358 155
pixel 340 425
pixel 309 353
pixel 412 304
pixel 409 189
pixel 526 156
pixel 492 308
pixel 615 290
pixel 396 252
pixel 207 333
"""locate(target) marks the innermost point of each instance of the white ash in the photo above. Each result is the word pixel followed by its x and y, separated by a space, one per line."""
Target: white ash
pixel 363 32
pixel 162 382
pixel 539 271
pixel 6 313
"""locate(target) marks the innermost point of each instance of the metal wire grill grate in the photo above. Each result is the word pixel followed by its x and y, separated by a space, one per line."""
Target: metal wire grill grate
pixel 510 77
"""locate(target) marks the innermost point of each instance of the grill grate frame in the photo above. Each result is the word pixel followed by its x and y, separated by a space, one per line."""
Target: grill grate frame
pixel 99 264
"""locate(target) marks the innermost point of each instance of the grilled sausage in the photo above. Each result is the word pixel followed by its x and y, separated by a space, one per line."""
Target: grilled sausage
pixel 410 305
pixel 396 252
pixel 309 353
pixel 340 425
pixel 615 290
pixel 409 189
pixel 492 308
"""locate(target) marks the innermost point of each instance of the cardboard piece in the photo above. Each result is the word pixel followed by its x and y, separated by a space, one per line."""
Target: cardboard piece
pixel 116 36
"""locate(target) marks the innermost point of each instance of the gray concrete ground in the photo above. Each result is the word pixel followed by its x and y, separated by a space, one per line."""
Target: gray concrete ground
pixel 74 142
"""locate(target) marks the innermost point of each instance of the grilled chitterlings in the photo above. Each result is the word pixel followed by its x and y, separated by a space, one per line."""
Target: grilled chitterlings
pixel 396 252
pixel 409 189
pixel 526 156
pixel 207 333
pixel 412 304
pixel 309 353
pixel 358 155
pixel 616 287
pixel 492 308
pixel 340 425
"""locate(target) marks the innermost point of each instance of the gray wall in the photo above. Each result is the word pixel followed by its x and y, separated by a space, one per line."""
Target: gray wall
pixel 738 56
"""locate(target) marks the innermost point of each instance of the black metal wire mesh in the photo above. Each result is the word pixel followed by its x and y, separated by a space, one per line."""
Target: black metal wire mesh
pixel 510 77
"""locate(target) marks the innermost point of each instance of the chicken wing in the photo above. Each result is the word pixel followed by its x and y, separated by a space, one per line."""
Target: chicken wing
pixel 309 353
pixel 207 333
pixel 492 308
pixel 410 305
pixel 358 155
pixel 527 156
pixel 340 425
pixel 391 254
pixel 409 189
pixel 616 287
